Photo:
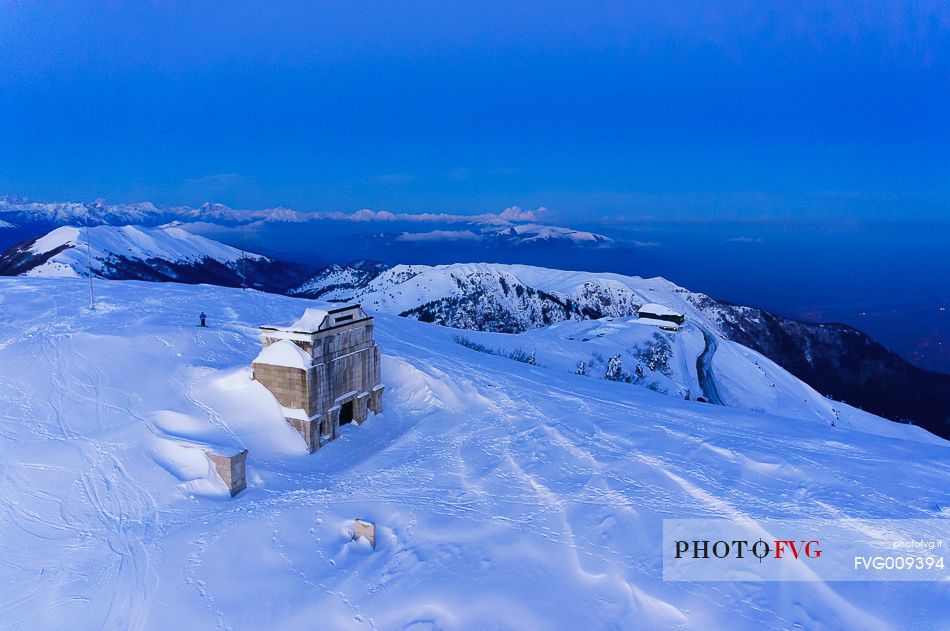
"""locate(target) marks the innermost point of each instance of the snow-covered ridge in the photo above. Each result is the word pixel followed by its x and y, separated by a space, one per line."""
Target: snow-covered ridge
pixel 525 234
pixel 65 249
pixel 528 233
pixel 165 253
pixel 339 278
pixel 498 297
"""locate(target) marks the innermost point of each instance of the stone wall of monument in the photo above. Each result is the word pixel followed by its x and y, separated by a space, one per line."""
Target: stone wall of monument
pixel 289 385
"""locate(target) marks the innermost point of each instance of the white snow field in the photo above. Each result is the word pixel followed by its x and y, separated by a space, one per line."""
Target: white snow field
pixel 506 496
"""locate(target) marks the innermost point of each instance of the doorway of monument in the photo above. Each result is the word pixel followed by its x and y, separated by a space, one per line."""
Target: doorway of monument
pixel 346 412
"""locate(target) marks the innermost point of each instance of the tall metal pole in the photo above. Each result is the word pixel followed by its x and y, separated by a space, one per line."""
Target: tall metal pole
pixel 92 298
pixel 243 264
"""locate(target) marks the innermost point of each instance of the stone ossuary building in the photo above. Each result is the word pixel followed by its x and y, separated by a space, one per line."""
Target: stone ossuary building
pixel 324 371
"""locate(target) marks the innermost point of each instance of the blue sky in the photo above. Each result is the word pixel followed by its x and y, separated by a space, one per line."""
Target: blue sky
pixel 594 110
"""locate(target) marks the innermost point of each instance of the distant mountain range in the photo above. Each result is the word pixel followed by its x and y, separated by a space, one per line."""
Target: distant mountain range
pixel 511 227
pixel 495 234
pixel 837 360
pixel 140 213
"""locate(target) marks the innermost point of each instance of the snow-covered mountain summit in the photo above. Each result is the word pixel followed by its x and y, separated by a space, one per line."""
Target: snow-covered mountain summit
pixel 69 250
pixel 495 233
pixel 505 495
pixel 537 233
pixel 513 298
pixel 165 253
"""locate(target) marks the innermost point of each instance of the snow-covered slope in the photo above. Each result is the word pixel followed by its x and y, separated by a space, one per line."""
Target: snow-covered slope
pixel 338 279
pixel 135 252
pixel 508 298
pixel 64 249
pixel 836 359
pixel 505 495
pixel 668 363
pixel 490 297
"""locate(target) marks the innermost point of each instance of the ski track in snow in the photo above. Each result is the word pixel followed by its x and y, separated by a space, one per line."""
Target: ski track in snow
pixel 481 471
pixel 125 512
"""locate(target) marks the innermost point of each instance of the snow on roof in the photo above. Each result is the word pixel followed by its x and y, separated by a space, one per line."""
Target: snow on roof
pixel 310 320
pixel 284 353
pixel 656 309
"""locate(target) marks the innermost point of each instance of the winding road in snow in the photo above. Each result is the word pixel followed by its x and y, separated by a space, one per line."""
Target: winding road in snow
pixel 704 370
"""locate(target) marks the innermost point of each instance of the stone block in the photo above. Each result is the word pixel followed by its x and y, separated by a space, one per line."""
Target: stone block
pixel 359 407
pixel 231 469
pixel 333 421
pixel 366 529
pixel 376 399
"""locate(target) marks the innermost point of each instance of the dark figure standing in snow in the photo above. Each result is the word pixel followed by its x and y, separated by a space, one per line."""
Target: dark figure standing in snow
pixel 202 318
